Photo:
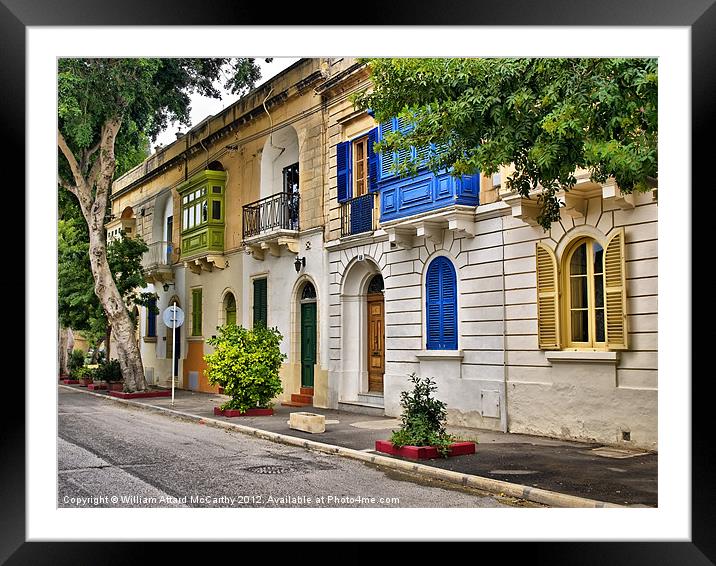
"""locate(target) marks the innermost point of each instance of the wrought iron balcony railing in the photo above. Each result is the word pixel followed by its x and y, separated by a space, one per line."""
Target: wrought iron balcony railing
pixel 159 255
pixel 276 212
pixel 358 215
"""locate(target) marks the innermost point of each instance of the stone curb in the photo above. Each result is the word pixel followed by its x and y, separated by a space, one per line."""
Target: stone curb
pixel 498 487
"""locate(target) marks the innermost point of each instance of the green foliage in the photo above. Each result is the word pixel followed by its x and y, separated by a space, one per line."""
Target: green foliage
pixel 109 371
pixel 83 372
pixel 246 363
pixel 547 117
pixel 423 418
pixel 76 361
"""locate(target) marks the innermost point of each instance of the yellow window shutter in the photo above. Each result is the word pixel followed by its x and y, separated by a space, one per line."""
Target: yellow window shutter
pixel 547 299
pixel 615 292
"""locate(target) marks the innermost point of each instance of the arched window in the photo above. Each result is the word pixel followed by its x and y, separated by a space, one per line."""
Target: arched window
pixel 585 294
pixel 441 305
pixel 376 284
pixel 230 309
pixel 585 306
pixel 308 293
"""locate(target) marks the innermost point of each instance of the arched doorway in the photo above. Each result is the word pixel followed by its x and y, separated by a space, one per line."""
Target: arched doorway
pixel 376 334
pixel 308 334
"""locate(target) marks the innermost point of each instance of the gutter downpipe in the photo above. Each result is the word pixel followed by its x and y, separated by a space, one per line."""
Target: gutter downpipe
pixel 503 412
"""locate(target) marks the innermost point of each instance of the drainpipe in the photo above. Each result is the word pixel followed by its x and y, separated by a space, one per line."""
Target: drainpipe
pixel 503 412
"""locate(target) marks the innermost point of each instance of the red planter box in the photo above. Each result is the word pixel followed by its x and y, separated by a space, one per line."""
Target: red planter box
pixel 236 413
pixel 96 386
pixel 70 381
pixel 139 394
pixel 85 382
pixel 423 452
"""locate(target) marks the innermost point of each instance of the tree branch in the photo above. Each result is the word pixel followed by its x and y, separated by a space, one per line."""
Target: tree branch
pixel 89 153
pixel 74 166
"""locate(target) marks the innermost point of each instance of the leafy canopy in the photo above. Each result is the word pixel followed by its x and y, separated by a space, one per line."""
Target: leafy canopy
pixel 547 117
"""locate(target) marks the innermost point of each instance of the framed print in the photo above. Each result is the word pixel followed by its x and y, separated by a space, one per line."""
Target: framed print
pixel 36 34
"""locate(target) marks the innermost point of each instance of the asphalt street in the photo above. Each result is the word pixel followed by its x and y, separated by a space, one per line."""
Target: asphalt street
pixel 112 455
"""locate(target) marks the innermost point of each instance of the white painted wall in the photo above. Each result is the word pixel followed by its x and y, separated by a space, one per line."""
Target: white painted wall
pixel 279 151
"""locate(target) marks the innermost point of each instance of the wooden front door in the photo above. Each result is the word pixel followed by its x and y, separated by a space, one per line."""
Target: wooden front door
pixel 376 342
pixel 308 343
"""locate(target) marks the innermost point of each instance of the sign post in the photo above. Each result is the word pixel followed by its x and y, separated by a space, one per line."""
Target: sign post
pixel 173 317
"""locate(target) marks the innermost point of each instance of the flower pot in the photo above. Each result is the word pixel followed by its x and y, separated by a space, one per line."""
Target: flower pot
pixel 254 412
pixel 116 386
pixel 84 382
pixel 96 386
pixel 423 452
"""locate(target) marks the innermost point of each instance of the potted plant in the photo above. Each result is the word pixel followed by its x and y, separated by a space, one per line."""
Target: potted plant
pixel 422 433
pixel 85 375
pixel 76 361
pixel 111 374
pixel 246 364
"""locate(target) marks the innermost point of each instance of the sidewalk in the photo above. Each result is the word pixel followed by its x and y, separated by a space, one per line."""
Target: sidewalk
pixel 552 472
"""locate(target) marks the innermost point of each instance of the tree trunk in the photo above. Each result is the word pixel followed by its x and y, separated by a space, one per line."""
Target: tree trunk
pixel 107 341
pixel 117 314
pixel 62 351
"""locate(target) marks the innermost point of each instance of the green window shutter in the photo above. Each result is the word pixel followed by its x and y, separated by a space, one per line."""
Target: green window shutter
pixel 615 292
pixel 260 302
pixel 196 312
pixel 547 299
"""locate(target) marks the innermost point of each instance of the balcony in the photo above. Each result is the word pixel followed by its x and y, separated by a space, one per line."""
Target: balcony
pixel 359 215
pixel 271 223
pixel 157 262
pixel 422 207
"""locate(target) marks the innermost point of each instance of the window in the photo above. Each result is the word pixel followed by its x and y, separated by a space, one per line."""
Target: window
pixel 194 209
pixel 390 161
pixel 260 302
pixel 196 312
pixel 357 166
pixel 290 187
pixel 360 166
pixel 592 293
pixel 441 305
pixel 152 318
pixel 230 309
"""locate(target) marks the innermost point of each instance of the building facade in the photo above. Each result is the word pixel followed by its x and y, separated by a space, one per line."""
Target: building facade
pixel 371 277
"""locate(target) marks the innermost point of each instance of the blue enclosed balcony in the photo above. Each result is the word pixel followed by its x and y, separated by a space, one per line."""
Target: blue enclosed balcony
pixel 405 197
pixel 402 197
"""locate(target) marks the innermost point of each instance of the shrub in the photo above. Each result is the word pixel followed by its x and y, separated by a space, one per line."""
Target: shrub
pixel 84 372
pixel 423 418
pixel 246 364
pixel 109 371
pixel 76 361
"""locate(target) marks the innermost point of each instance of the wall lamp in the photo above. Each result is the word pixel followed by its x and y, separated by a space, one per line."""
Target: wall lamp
pixel 166 286
pixel 299 263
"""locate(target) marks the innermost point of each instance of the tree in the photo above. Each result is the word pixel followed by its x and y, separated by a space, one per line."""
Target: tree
pixel 547 117
pixel 105 104
pixel 78 306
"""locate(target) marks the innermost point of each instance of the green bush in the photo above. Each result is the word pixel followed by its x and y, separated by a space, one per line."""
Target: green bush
pixel 423 418
pixel 76 361
pixel 109 371
pixel 246 364
pixel 84 373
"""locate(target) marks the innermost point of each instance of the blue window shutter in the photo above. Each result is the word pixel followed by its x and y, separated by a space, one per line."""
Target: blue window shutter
pixel 151 318
pixel 386 159
pixel 441 305
pixel 343 155
pixel 372 161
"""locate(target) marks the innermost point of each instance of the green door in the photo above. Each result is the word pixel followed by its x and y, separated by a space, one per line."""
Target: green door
pixel 308 343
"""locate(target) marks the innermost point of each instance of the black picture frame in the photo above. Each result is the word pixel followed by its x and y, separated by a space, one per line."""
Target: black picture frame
pixel 698 15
